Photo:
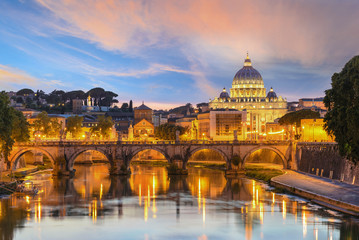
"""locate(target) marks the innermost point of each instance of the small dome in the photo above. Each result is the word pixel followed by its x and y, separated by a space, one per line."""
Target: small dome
pixel 271 94
pixel 224 94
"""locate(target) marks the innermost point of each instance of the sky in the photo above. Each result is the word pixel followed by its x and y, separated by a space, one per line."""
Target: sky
pixel 168 53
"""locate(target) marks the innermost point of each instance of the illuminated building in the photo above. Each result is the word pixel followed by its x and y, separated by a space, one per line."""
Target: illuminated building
pixel 220 125
pixel 313 131
pixel 248 93
pixel 310 102
pixel 143 112
pixel 143 130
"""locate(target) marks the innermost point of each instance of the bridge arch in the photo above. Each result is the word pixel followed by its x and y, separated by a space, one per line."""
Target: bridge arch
pixel 141 149
pixel 71 161
pixel 224 156
pixel 278 152
pixel 15 158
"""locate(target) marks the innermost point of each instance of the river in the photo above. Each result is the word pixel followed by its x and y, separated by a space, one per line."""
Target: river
pixel 150 205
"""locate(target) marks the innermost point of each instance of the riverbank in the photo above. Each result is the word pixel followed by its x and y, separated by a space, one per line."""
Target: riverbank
pixel 332 194
pixel 263 173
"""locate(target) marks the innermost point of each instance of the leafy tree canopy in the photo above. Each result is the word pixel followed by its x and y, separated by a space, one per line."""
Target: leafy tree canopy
pixel 103 128
pixel 342 101
pixel 13 127
pixel 24 92
pixel 168 131
pixel 47 126
pixel 74 126
pixel 294 118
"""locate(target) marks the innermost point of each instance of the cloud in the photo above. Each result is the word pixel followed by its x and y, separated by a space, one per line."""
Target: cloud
pixel 12 78
pixel 152 69
pixel 306 32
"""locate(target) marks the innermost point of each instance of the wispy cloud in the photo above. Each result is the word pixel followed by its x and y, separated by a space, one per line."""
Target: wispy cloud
pixel 13 78
pixel 308 32
pixel 152 69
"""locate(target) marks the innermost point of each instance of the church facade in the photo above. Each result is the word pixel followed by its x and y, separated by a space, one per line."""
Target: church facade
pixel 249 94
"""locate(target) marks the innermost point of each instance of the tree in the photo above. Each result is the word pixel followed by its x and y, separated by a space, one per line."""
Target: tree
pixel 342 101
pixel 130 107
pixel 124 107
pixel 74 126
pixel 24 92
pixel 19 100
pixel 294 118
pixel 168 131
pixel 20 127
pixel 103 128
pixel 13 127
pixel 47 126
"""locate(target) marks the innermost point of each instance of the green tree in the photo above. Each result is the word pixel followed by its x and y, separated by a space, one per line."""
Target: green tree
pixel 130 107
pixel 294 118
pixel 20 127
pixel 103 128
pixel 124 107
pixel 24 92
pixel 74 126
pixel 342 101
pixel 13 127
pixel 47 126
pixel 168 131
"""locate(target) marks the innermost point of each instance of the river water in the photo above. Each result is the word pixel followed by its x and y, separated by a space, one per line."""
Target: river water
pixel 150 205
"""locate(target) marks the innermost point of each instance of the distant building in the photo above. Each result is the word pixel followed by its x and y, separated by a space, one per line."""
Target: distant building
pixel 158 120
pixel 312 102
pixel 186 122
pixel 143 112
pixel 77 106
pixel 28 113
pixel 248 93
pixel 122 121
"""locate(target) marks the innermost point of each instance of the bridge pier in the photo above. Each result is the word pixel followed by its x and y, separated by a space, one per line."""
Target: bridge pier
pixel 120 167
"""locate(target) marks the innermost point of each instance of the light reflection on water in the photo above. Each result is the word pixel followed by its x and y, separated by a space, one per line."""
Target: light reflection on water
pixel 150 205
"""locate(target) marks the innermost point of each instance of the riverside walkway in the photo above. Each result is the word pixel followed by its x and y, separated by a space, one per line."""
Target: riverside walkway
pixel 333 194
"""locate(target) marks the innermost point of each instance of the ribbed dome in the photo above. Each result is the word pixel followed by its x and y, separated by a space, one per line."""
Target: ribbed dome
pixel 247 73
pixel 271 94
pixel 224 94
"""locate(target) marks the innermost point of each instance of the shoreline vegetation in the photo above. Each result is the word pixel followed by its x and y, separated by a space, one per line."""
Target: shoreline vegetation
pixel 253 171
pixel 262 173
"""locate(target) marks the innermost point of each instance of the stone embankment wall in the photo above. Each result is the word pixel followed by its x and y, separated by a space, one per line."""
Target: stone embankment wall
pixel 324 160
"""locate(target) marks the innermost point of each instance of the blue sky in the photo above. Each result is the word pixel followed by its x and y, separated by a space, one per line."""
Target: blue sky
pixel 168 53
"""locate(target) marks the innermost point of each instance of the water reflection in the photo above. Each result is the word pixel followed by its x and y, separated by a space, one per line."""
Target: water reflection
pixel 202 205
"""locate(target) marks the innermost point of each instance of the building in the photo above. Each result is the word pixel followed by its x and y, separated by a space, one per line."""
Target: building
pixel 27 112
pixel 220 125
pixel 143 130
pixel 312 102
pixel 77 106
pixel 143 112
pixel 248 93
pixel 313 131
pixel 122 121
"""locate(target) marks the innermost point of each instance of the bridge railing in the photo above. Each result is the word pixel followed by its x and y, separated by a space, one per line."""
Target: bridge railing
pixel 156 142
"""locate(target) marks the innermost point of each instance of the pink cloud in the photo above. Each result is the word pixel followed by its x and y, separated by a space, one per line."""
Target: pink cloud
pixel 302 31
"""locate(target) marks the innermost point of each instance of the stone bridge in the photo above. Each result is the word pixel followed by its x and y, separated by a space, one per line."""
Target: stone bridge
pixel 119 154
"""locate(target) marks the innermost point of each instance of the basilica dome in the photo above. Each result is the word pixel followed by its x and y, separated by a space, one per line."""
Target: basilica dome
pixel 247 73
